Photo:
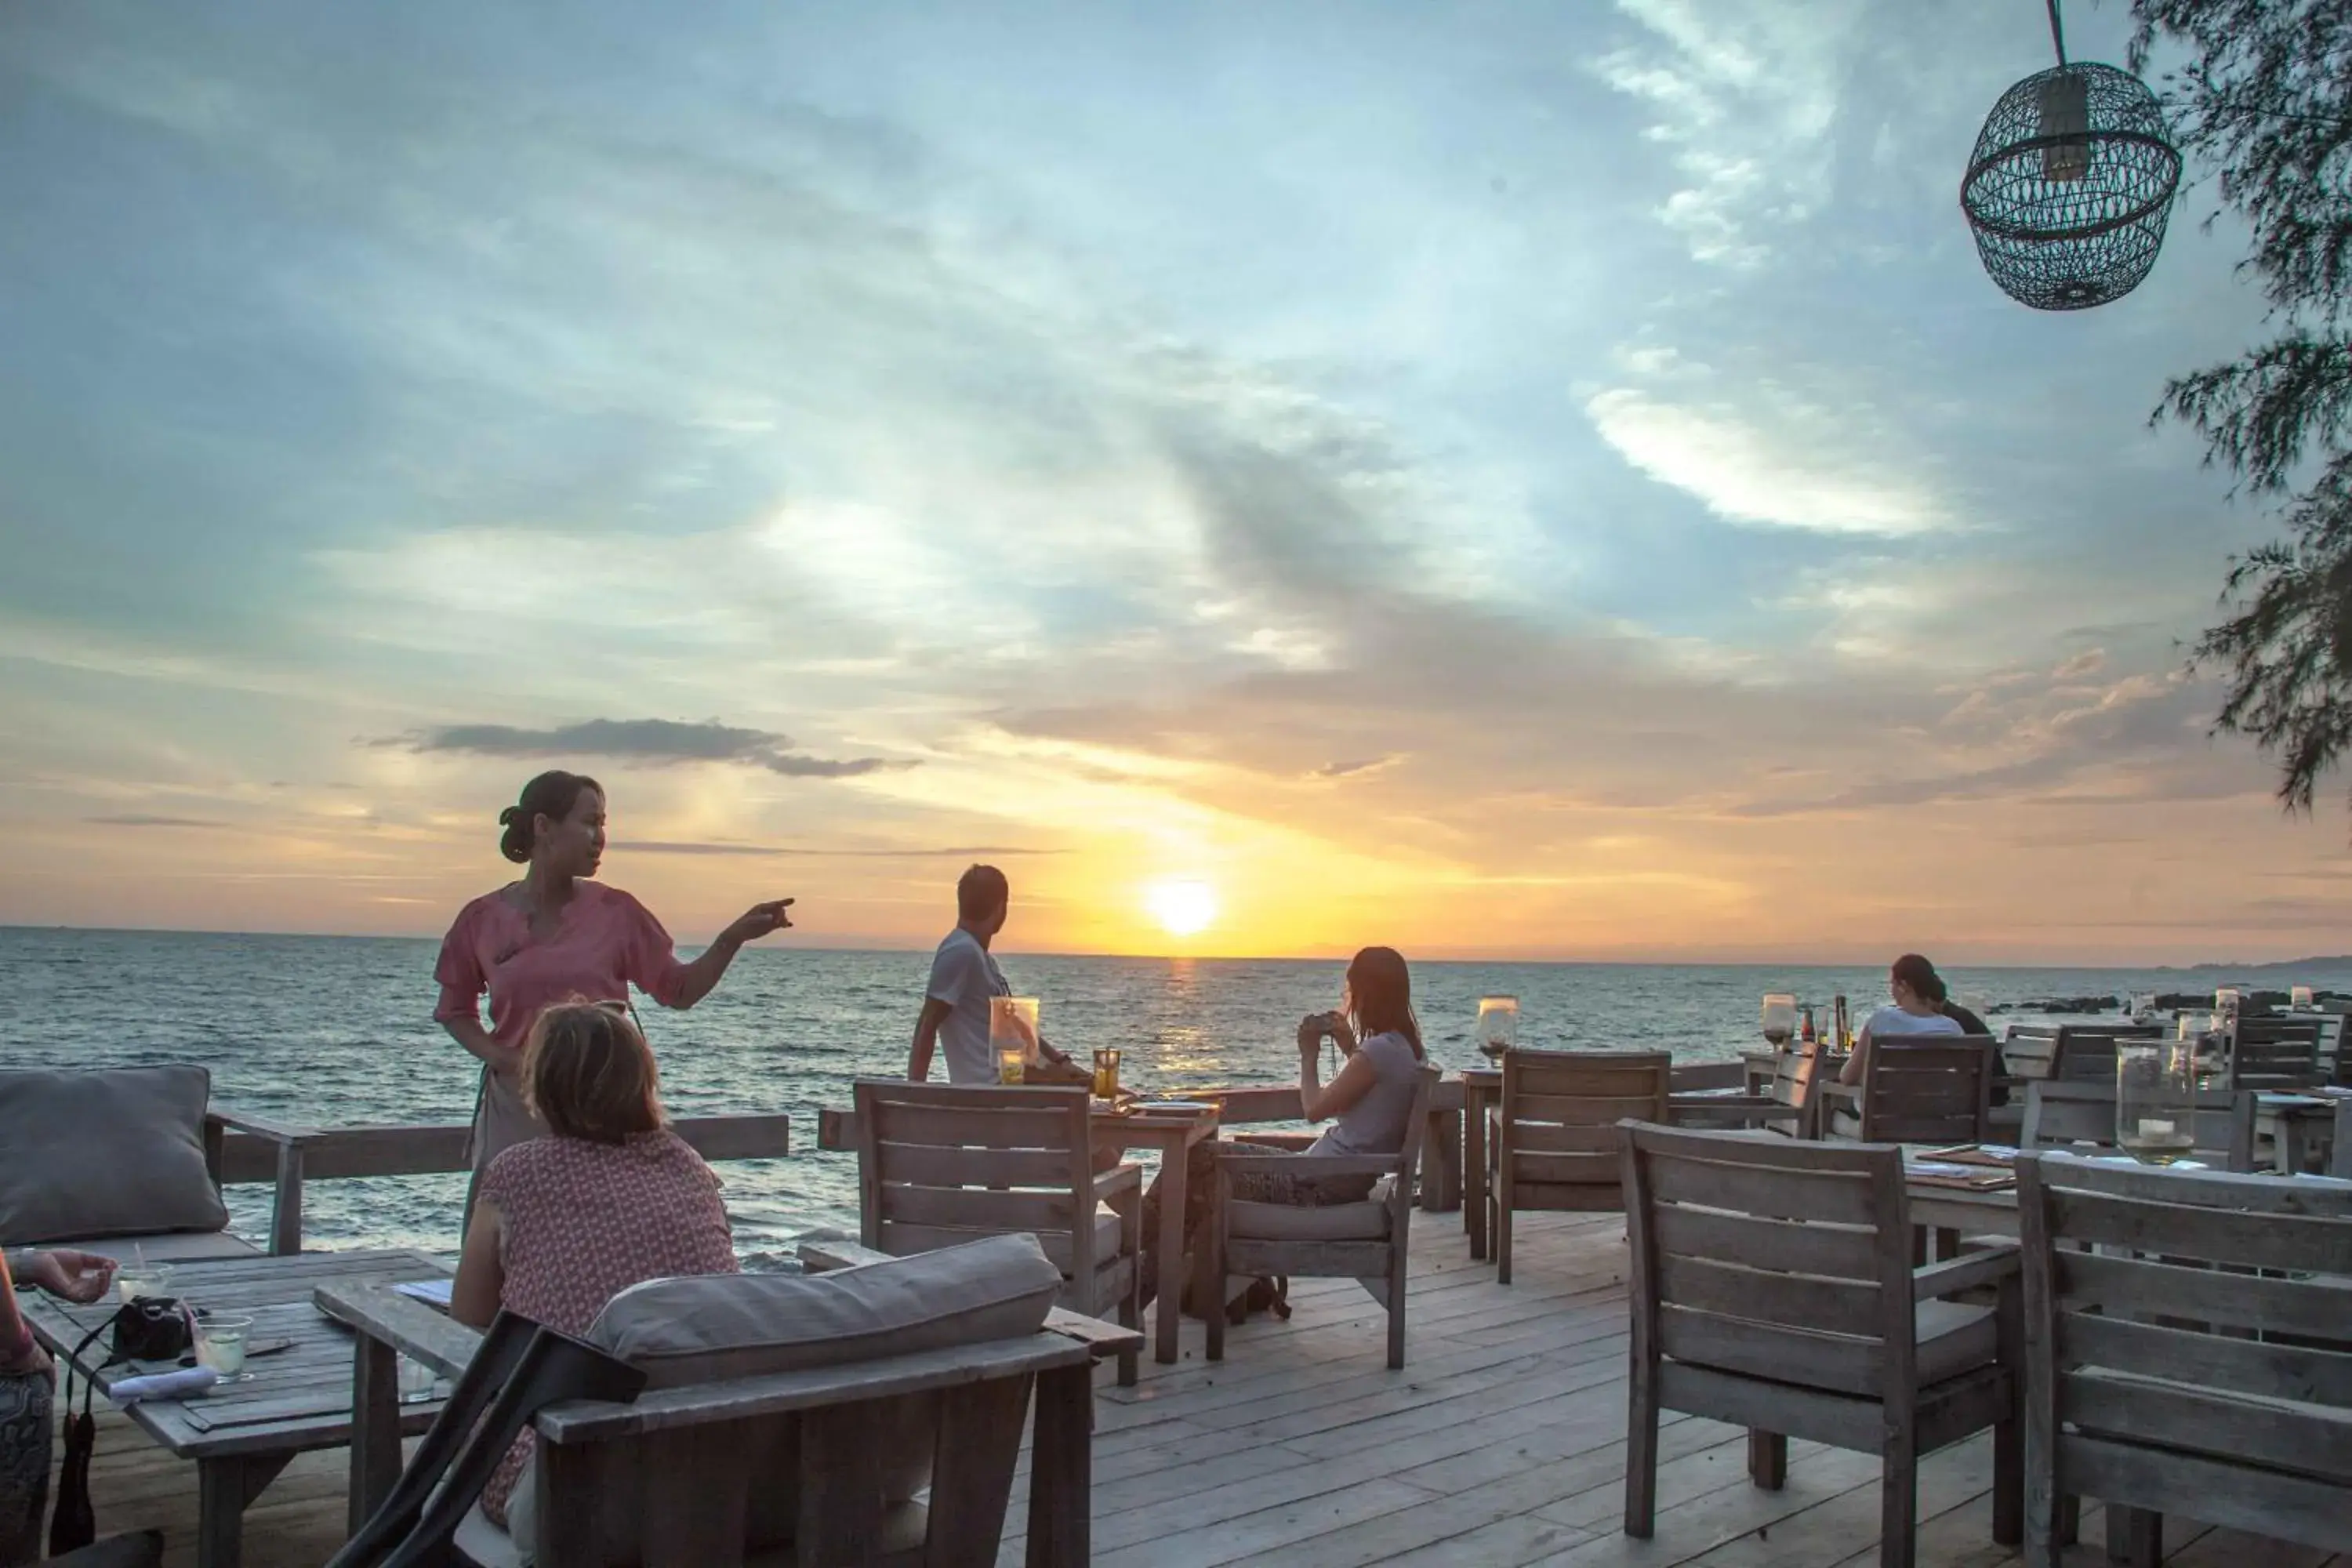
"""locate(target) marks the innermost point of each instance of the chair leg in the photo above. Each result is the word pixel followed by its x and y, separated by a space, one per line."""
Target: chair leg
pixel 1502 1234
pixel 1641 1452
pixel 1898 1505
pixel 1768 1459
pixel 1396 1304
pixel 2070 1518
pixel 2135 1536
pixel 1212 1267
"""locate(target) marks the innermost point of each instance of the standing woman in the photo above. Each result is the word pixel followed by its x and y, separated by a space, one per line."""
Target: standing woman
pixel 557 936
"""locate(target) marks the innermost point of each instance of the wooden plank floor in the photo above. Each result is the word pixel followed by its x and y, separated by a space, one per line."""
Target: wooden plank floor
pixel 1502 1443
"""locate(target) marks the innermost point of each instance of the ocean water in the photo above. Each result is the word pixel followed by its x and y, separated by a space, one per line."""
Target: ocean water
pixel 332 1031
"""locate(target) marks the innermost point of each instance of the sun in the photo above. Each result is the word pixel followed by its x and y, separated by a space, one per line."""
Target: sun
pixel 1183 906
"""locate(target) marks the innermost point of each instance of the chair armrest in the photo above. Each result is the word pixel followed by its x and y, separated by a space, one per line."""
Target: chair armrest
pixel 1314 1165
pixel 1118 1179
pixel 262 1127
pixel 1965 1273
pixel 817 1257
pixel 1100 1338
pixel 1275 1140
pixel 1830 1089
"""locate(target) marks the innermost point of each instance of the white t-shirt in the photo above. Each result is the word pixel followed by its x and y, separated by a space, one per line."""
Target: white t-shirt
pixel 1895 1021
pixel 964 975
pixel 1376 1124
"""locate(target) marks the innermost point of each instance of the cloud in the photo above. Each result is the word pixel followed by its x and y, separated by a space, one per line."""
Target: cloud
pixel 142 819
pixel 953 852
pixel 1352 768
pixel 653 742
pixel 1781 459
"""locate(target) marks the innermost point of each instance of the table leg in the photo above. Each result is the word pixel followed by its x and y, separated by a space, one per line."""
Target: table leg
pixel 375 1429
pixel 1474 1169
pixel 223 1488
pixel 2287 1149
pixel 1173 1163
pixel 1061 1468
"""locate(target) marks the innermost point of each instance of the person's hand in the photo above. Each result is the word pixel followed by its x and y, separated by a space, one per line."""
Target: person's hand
pixel 71 1276
pixel 759 920
pixel 1311 1030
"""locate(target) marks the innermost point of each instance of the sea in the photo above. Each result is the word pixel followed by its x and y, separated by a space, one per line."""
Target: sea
pixel 334 1031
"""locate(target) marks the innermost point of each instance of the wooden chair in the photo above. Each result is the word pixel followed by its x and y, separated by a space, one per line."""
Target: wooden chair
pixel 1555 1142
pixel 2068 1115
pixel 2145 1384
pixel 1789 1104
pixel 2075 1053
pixel 943 1164
pixel 1773 1288
pixel 1368 1242
pixel 1915 1089
pixel 2339 1154
pixel 2274 1055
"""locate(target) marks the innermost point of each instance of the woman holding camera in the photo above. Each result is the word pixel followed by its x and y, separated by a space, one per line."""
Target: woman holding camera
pixel 1369 1100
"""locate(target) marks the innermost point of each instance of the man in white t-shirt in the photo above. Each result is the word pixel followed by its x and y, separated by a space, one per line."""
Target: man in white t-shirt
pixel 964 975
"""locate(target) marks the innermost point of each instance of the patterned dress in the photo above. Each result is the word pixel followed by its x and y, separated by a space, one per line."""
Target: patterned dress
pixel 581 1222
pixel 24 1426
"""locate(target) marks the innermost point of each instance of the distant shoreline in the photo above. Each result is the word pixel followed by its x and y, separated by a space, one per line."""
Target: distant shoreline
pixel 2338 961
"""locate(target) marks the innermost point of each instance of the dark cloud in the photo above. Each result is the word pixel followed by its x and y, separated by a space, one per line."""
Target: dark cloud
pixel 142 819
pixel 1345 770
pixel 654 742
pixel 970 852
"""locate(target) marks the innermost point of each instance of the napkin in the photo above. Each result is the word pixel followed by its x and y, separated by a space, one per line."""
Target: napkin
pixel 129 1391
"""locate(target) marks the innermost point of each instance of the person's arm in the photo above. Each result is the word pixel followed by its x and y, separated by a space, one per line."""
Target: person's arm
pixel 459 1010
pixel 927 1037
pixel 20 1354
pixel 504 1061
pixel 481 1278
pixel 67 1273
pixel 1852 1071
pixel 673 985
pixel 1319 1102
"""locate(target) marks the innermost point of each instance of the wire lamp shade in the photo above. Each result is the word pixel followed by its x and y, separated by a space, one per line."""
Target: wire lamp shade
pixel 2070 186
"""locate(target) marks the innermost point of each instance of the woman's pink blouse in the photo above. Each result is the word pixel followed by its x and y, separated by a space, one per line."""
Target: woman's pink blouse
pixel 605 941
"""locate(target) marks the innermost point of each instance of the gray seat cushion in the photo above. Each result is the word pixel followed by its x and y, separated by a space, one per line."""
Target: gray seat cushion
pixel 95 1155
pixel 171 1247
pixel 1953 1339
pixel 1296 1222
pixel 714 1326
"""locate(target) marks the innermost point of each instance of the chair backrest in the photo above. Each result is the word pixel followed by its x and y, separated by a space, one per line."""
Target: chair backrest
pixel 2031 1050
pixel 2275 1054
pixel 2140 1288
pixel 2086 1052
pixel 1416 1122
pixel 1559 1116
pixel 1926 1088
pixel 1749 1253
pixel 2062 1115
pixel 938 1164
pixel 2339 1156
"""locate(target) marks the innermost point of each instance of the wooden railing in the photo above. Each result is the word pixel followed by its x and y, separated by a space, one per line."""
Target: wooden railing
pixel 246 1149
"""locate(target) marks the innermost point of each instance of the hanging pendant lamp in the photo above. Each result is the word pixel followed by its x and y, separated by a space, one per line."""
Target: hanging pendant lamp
pixel 2071 184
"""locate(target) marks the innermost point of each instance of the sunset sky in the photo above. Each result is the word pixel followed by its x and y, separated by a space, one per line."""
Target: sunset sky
pixel 1526 479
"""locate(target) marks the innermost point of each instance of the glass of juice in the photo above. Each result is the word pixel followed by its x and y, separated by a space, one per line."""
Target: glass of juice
pixel 1106 1085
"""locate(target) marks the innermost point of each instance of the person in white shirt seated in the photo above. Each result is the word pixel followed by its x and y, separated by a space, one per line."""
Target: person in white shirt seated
pixel 1920 994
pixel 964 975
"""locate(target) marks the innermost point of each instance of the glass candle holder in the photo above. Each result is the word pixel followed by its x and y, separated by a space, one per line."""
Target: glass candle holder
pixel 1013 1024
pixel 1780 1018
pixel 1498 1024
pixel 2299 998
pixel 2225 1001
pixel 1012 1065
pixel 2156 1099
pixel 416 1381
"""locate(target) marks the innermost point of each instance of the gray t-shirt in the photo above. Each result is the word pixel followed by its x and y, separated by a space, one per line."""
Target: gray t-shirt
pixel 964 975
pixel 1375 1124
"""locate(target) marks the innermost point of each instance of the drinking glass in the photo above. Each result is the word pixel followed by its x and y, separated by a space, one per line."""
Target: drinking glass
pixel 2225 1001
pixel 136 1280
pixel 2156 1099
pixel 220 1344
pixel 1012 1065
pixel 1499 1025
pixel 1780 1018
pixel 416 1381
pixel 1013 1026
pixel 1106 1072
pixel 2299 998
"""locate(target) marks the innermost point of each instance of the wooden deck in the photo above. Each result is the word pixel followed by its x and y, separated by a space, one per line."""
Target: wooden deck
pixel 1501 1443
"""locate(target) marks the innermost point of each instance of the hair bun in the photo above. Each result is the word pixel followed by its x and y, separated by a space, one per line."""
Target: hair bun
pixel 506 817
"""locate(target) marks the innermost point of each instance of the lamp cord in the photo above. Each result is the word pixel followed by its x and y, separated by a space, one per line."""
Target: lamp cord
pixel 2057 33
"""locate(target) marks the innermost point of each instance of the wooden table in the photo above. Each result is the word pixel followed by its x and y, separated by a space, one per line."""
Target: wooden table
pixel 242 1435
pixel 2294 1124
pixel 1172 1135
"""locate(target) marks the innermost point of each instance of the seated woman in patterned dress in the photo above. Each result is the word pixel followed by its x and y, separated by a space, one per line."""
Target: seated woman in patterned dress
pixel 610 1199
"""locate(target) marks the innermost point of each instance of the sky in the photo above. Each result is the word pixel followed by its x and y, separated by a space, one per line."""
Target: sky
pixel 1500 479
